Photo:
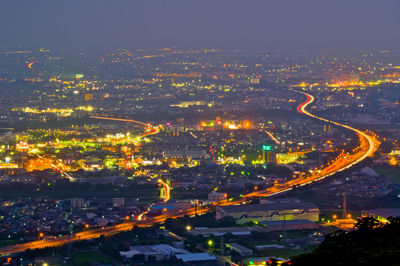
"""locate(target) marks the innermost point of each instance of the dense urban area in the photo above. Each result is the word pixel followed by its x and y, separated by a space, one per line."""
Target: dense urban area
pixel 193 156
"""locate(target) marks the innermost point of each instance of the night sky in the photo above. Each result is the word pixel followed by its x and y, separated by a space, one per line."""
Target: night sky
pixel 201 23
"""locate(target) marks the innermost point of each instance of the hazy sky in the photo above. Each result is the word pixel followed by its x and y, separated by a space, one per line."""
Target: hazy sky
pixel 198 23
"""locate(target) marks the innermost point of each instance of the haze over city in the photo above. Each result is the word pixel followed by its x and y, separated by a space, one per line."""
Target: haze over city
pixel 201 24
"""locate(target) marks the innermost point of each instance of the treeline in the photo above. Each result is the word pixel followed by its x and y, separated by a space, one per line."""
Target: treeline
pixel 371 243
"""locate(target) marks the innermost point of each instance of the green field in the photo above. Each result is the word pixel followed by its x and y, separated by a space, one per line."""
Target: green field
pixel 88 258
pixel 283 253
pixel 4 243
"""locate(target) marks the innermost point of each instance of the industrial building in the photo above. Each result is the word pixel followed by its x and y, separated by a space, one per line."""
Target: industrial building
pixel 159 252
pixel 242 250
pixel 270 212
pixel 381 214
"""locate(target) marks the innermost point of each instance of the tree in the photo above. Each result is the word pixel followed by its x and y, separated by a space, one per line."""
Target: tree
pixel 367 223
pixel 227 221
pixel 371 243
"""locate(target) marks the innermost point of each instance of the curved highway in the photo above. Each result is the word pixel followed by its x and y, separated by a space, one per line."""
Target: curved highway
pixel 372 143
pixel 367 147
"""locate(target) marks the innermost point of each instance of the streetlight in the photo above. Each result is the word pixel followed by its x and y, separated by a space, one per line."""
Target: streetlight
pixel 188 228
pixel 210 243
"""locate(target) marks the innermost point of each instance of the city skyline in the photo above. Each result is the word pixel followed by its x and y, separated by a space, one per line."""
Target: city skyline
pixel 191 133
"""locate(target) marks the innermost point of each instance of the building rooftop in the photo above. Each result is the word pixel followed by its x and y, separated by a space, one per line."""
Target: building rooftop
pixel 287 222
pixel 238 247
pixel 195 257
pixel 279 200
pixel 269 207
pixel 225 230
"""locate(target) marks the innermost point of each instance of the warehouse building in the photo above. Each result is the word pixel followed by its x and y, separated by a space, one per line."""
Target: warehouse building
pixel 270 212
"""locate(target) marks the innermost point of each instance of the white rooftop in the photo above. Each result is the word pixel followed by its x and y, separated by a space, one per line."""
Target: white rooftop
pixel 195 257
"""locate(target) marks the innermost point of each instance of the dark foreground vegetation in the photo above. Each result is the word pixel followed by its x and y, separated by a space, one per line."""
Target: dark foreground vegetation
pixel 372 243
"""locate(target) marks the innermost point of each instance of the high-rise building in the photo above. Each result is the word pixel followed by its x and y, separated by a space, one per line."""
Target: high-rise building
pixel 88 97
pixel 77 203
pixel 118 202
pixel 269 154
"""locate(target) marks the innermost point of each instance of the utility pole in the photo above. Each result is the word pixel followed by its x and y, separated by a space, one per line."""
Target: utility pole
pixel 195 204
pixel 222 246
pixel 69 247
pixel 284 226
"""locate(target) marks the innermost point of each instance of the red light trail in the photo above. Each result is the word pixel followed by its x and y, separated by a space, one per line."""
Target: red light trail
pixel 299 108
pixel 368 146
pixel 29 65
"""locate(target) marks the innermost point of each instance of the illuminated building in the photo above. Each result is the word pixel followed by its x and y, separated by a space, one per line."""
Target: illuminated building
pixel 92 166
pixel 77 203
pixel 184 156
pixel 216 196
pixel 187 104
pixel 39 164
pixel 269 154
pixel 8 137
pixel 286 158
pixel 381 214
pixel 255 81
pixel 88 97
pixel 118 202
pixel 8 166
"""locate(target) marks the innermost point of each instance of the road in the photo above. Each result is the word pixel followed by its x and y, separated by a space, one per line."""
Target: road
pixel 58 170
pixel 167 189
pixel 120 119
pixel 30 64
pixel 149 130
pixel 368 145
pixel 272 137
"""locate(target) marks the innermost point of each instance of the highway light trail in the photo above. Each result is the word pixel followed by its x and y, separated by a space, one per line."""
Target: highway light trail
pixel 193 135
pixel 140 216
pixel 372 145
pixel 167 190
pixel 368 145
pixel 212 153
pixel 120 119
pixel 272 137
pixel 154 130
pixel 304 104
pixel 30 64
pixel 58 170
